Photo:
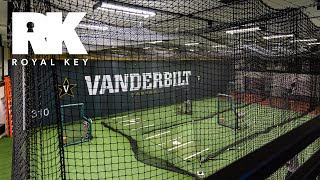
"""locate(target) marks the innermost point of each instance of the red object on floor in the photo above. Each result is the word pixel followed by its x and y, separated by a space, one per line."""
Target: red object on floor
pixel 8 96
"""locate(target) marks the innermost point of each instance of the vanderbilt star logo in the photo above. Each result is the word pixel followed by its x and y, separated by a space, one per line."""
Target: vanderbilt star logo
pixel 66 88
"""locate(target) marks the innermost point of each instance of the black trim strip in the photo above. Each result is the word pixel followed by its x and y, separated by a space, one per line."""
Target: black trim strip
pixel 261 163
pixel 309 170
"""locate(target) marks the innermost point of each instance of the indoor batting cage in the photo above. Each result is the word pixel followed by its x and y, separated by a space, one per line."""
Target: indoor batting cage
pixel 167 89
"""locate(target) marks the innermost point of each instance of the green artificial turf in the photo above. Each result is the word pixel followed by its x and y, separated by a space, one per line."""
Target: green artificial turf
pixel 107 156
pixel 199 135
pixel 5 158
pixel 110 156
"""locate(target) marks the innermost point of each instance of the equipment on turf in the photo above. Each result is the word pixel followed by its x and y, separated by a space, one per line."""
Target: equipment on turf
pixel 184 103
pixel 227 114
pixel 76 126
pixel 184 108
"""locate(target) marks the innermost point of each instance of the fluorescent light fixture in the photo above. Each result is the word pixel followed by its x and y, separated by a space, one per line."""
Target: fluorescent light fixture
pixel 191 44
pixel 146 48
pixel 237 31
pixel 219 46
pixel 192 50
pixel 315 43
pixel 304 40
pixel 94 27
pixel 250 24
pixel 126 9
pixel 154 42
pixel 278 36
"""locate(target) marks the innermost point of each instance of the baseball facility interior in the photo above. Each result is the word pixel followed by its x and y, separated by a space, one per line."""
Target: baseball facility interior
pixel 167 89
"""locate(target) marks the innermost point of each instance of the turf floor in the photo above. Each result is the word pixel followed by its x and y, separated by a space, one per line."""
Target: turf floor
pixel 182 140
pixel 186 140
pixel 5 158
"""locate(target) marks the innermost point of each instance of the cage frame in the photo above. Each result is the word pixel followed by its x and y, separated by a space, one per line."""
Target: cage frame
pixel 83 117
pixel 230 108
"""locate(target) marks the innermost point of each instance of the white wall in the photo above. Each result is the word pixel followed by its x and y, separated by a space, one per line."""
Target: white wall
pixel 279 79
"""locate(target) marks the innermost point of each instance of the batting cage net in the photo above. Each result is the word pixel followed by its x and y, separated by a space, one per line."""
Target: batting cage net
pixel 167 89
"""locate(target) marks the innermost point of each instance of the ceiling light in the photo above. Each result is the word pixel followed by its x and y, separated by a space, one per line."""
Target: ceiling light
pixel 94 27
pixel 315 43
pixel 250 24
pixel 124 9
pixel 191 44
pixel 219 46
pixel 192 50
pixel 154 42
pixel 146 48
pixel 277 36
pixel 304 40
pixel 237 31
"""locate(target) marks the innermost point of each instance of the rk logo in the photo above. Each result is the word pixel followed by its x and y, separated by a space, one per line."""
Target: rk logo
pixel 46 33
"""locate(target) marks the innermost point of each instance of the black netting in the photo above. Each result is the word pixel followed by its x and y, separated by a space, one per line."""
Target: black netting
pixel 168 89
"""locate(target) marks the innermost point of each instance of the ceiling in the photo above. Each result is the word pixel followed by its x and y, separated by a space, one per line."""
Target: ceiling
pixel 309 7
pixel 204 22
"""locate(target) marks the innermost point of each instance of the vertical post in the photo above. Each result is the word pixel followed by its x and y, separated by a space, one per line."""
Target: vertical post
pixel 234 74
pixel 21 106
pixel 20 165
pixel 59 117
